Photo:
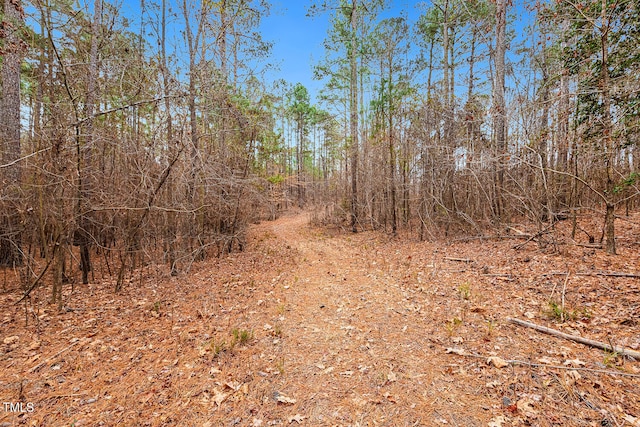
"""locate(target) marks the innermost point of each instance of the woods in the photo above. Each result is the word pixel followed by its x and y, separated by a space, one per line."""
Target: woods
pixel 129 139
pixel 435 222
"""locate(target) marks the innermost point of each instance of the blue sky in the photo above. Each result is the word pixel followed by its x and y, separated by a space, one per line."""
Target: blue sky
pixel 298 39
pixel 297 42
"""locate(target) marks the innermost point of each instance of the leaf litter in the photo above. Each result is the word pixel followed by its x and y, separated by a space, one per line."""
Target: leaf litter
pixel 339 329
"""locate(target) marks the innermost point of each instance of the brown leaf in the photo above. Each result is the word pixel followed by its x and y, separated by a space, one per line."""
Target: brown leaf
pixel 281 398
pixel 219 396
pixel 497 362
pixel 297 418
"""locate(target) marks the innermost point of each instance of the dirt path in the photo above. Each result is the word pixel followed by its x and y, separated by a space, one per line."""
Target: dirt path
pixel 318 328
pixel 365 352
pixel 367 343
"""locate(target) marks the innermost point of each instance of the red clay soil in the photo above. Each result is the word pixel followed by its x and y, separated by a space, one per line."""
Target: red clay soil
pixel 322 328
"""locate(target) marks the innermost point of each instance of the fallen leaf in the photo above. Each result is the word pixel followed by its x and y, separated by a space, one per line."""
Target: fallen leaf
pixel 389 397
pixel 235 386
pixel 635 422
pixel 359 401
pixel 548 361
pixel 497 362
pixel 525 406
pixel 328 370
pixel 297 418
pixel 574 362
pixel 256 422
pixel 497 422
pixel 281 398
pixel 571 377
pixel 391 377
pixel 454 350
pixel 11 340
pixel 219 396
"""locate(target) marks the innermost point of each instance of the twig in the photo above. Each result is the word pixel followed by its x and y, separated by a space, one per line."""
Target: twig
pixel 531 237
pixel 502 276
pixel 489 237
pixel 610 274
pixel 586 341
pixel 564 290
pixel 544 365
pixel 458 259
pixel 49 359
pixel 589 245
pixel 35 283
pixel 59 396
pixel 6 165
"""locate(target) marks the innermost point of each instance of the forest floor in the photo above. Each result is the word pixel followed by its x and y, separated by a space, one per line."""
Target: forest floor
pixel 312 326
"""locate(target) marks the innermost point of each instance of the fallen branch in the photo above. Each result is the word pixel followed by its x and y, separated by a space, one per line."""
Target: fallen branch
pixel 531 237
pixel 489 237
pixel 35 283
pixel 589 245
pixel 592 343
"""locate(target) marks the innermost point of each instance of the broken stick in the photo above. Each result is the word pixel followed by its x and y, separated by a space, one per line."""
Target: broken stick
pixel 458 259
pixel 49 359
pixel 592 343
pixel 610 274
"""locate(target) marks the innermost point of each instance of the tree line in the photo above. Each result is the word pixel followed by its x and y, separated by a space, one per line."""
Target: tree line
pixel 475 117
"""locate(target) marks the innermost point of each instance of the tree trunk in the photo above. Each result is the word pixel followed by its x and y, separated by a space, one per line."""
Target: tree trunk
pixel 171 216
pixel 500 119
pixel 11 175
pixel 353 121
pixel 83 232
pixel 610 241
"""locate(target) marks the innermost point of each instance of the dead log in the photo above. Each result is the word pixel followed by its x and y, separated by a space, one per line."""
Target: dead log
pixel 592 343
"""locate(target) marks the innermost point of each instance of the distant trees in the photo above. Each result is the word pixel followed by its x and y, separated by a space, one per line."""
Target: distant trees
pixel 301 111
pixel 120 147
pixel 606 62
pixel 485 126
